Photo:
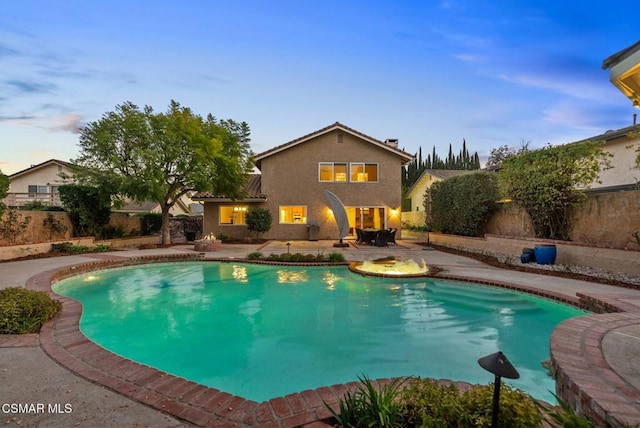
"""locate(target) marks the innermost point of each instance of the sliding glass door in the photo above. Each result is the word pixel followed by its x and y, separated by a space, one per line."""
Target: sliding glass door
pixel 366 218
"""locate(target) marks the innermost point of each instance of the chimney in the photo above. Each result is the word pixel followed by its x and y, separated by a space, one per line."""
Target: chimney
pixel 393 142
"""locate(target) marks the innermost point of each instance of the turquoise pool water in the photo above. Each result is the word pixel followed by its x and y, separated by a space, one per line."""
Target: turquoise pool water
pixel 263 331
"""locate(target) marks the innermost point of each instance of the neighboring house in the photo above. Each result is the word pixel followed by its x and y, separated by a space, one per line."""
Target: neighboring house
pixel 623 173
pixel 38 183
pixel 365 173
pixel 41 182
pixel 624 72
pixel 183 206
pixel 415 194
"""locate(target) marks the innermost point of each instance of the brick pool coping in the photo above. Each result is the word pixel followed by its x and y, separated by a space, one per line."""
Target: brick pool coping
pixel 583 377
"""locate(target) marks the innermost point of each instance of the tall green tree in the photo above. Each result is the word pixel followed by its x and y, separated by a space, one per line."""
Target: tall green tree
pixel 547 183
pixel 160 157
pixel 4 189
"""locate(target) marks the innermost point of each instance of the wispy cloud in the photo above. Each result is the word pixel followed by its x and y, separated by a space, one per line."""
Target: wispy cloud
pixel 24 86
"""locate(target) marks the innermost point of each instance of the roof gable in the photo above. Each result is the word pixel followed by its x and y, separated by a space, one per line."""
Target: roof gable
pixel 406 157
pixel 253 188
pixel 40 165
pixel 442 174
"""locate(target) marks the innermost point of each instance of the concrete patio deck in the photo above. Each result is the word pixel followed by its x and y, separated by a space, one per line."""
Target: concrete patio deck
pixel 80 384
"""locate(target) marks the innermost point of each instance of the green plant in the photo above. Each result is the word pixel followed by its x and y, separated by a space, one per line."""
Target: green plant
pixel 35 206
pixel 370 406
pixel 256 255
pixel 335 257
pixel 101 248
pixel 12 227
pixel 24 311
pixel 546 183
pixel 61 247
pixel 4 189
pixel 564 416
pixel 462 204
pixel 517 409
pixel 53 226
pixel 429 404
pixel 222 237
pixel 112 232
pixel 89 207
pixel 259 221
pixel 150 223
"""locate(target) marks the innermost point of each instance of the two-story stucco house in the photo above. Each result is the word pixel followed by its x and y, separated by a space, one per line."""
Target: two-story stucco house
pixel 38 183
pixel 365 173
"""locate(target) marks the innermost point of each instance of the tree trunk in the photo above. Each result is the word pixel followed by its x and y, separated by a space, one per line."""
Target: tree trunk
pixel 166 230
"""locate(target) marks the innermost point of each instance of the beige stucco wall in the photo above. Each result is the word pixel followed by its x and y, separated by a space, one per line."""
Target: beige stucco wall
pixel 624 170
pixel 290 177
pixel 418 190
pixel 605 219
pixel 47 175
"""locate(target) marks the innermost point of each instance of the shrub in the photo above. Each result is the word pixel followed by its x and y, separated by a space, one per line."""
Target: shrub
pixel 112 232
pixel 24 311
pixel 370 406
pixel 259 221
pixel 61 247
pixel 517 409
pixel 35 206
pixel 427 403
pixel 256 255
pixel 151 223
pixel 335 257
pixel 89 207
pixel 462 204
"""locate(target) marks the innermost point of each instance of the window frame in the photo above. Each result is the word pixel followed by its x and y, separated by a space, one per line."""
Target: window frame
pixel 304 218
pixel 242 209
pixel 364 169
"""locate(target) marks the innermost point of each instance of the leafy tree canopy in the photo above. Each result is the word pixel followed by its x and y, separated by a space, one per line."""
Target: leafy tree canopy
pixel 498 155
pixel 547 183
pixel 160 157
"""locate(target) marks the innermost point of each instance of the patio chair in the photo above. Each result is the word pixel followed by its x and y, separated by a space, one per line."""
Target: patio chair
pixel 391 237
pixel 358 236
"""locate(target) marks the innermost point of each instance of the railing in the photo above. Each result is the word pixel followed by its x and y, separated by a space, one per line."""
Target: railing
pixel 20 199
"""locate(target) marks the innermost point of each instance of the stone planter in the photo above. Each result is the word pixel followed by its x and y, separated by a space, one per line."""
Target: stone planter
pixel 207 245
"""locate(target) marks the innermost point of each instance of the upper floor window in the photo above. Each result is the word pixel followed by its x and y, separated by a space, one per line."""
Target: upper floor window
pixel 233 215
pixel 333 171
pixel 35 190
pixel 364 172
pixel 354 172
pixel 293 214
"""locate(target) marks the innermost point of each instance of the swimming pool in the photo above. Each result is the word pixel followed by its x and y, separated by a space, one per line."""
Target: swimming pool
pixel 263 331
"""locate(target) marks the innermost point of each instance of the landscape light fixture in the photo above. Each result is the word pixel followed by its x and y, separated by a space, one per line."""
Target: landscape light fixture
pixel 499 365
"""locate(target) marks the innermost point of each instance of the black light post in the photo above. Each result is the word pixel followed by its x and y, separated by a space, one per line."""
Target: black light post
pixel 499 365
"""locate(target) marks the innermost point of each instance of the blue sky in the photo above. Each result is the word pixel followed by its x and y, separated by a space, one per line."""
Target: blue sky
pixel 425 72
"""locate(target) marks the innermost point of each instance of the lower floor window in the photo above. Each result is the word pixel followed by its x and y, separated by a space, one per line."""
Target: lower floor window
pixel 293 214
pixel 233 215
